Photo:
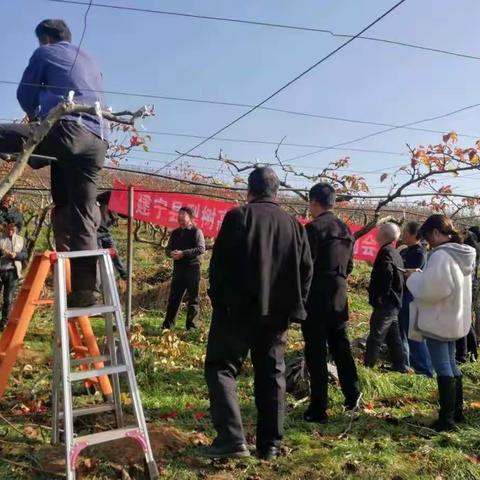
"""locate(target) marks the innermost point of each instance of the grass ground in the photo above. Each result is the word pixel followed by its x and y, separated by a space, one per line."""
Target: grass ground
pixel 385 440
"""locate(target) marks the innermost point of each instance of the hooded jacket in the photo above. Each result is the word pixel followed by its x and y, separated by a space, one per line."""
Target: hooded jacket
pixel 442 306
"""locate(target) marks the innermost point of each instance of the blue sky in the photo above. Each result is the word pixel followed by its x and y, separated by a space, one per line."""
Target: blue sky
pixel 173 56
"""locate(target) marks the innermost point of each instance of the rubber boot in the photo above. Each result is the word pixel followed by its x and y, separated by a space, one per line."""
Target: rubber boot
pixel 459 416
pixel 446 399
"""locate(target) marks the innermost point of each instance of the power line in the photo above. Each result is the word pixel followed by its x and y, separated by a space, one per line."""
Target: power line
pixel 379 132
pixel 85 17
pixel 295 79
pixel 240 105
pixel 271 25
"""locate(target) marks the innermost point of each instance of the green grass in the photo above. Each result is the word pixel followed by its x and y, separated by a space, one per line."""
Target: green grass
pixel 385 440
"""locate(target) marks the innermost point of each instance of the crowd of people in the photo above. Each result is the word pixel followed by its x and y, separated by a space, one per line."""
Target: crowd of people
pixel 267 271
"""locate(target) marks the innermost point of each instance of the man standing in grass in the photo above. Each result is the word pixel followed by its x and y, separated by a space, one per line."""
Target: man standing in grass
pixel 12 254
pixel 331 243
pixel 186 246
pixel 260 274
pixel 385 295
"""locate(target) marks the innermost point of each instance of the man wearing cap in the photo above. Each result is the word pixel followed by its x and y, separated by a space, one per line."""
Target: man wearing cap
pixel 12 254
pixel 77 141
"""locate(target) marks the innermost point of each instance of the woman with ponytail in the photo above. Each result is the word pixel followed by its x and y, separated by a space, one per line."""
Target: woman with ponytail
pixel 441 311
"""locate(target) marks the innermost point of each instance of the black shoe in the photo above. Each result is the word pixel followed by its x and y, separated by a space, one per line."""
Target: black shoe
pixel 82 299
pixel 313 415
pixel 459 416
pixel 269 454
pixel 351 404
pixel 446 399
pixel 228 451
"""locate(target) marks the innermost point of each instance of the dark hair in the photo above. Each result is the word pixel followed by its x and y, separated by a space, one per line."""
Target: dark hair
pixel 263 182
pixel 324 194
pixel 188 211
pixel 413 228
pixel 54 28
pixel 441 223
pixel 475 229
pixel 470 239
pixel 11 221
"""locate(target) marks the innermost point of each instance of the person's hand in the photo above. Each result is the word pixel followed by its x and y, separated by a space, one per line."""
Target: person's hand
pixel 177 254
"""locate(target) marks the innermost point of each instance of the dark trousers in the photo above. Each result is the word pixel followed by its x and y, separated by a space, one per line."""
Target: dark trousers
pixel 80 155
pixel 106 241
pixel 230 339
pixel 318 333
pixel 415 353
pixel 384 328
pixel 184 279
pixel 9 282
pixel 466 345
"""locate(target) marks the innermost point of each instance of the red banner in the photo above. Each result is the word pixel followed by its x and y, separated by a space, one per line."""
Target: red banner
pixel 162 209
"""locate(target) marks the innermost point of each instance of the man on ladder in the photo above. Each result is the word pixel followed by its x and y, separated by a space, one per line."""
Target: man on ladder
pixel 77 141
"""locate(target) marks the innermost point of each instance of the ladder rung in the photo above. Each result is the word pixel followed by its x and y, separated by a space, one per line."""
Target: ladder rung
pixel 42 302
pixel 80 412
pixel 82 253
pixel 74 376
pixel 80 349
pixel 90 311
pixel 107 436
pixel 87 360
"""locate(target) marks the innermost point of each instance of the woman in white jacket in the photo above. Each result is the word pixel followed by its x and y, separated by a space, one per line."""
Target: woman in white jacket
pixel 442 310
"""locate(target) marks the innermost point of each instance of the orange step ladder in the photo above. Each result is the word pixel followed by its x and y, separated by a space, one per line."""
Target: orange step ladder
pixel 82 338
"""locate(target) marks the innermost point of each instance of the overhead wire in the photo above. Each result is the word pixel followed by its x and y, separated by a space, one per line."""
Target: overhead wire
pixel 270 25
pixel 292 81
pixel 379 132
pixel 240 105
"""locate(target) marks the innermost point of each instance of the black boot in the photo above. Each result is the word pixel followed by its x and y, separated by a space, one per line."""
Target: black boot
pixel 446 399
pixel 459 416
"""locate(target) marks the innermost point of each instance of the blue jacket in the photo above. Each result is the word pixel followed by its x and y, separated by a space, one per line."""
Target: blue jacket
pixel 49 77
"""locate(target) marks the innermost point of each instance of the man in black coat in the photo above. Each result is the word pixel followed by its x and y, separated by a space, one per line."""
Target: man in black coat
pixel 260 274
pixel 186 246
pixel 385 296
pixel 331 244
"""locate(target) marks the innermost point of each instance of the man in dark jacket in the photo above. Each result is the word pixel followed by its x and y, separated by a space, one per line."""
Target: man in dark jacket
pixel 260 274
pixel 9 212
pixel 186 246
pixel 331 244
pixel 414 256
pixel 108 219
pixel 385 296
pixel 12 254
pixel 77 141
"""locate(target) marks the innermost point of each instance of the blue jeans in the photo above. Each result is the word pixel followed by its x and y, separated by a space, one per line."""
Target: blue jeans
pixel 443 358
pixel 416 353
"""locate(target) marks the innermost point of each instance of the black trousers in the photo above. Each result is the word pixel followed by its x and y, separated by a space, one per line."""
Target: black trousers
pixel 184 279
pixel 384 328
pixel 318 333
pixel 9 282
pixel 466 345
pixel 106 241
pixel 80 155
pixel 230 339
